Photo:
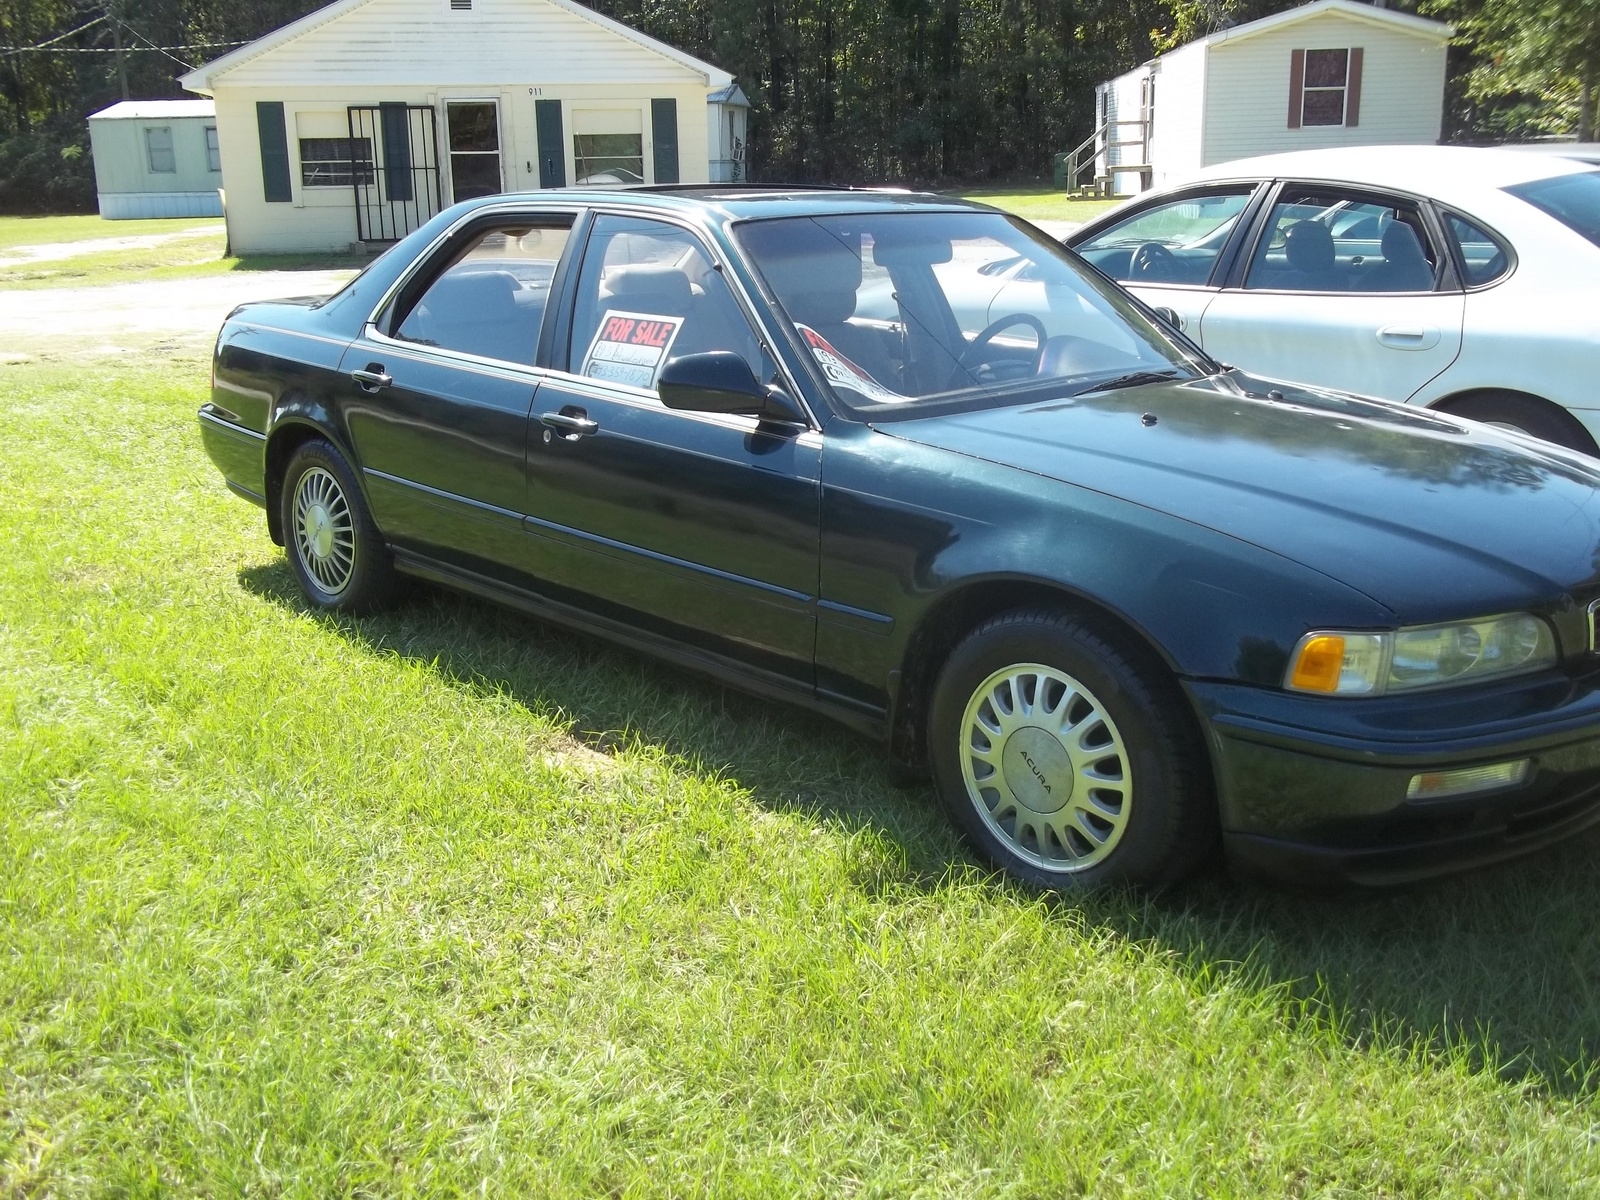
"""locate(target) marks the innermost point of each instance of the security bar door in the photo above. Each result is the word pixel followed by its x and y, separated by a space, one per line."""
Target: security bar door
pixel 474 131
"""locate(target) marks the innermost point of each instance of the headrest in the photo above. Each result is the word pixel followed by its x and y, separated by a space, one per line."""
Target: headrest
pixel 1309 246
pixel 1400 245
pixel 821 308
pixel 803 256
pixel 464 295
pixel 665 288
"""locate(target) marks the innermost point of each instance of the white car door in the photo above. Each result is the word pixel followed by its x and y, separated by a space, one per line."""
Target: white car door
pixel 1343 290
pixel 1170 252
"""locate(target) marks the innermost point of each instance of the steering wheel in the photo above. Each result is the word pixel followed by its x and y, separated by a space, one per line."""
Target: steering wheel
pixel 972 356
pixel 1155 260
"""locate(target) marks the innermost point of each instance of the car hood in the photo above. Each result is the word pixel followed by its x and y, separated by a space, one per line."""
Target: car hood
pixel 1431 516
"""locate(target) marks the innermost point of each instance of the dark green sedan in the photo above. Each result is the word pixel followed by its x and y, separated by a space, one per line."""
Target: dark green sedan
pixel 907 462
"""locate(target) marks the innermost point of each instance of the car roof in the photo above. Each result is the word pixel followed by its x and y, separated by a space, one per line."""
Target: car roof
pixel 1450 173
pixel 746 201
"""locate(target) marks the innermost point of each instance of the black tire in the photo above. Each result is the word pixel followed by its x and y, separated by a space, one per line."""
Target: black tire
pixel 1153 827
pixel 1528 414
pixel 342 563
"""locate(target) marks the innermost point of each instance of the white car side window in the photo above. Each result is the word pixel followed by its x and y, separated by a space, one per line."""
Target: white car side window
pixel 1324 242
pixel 1177 242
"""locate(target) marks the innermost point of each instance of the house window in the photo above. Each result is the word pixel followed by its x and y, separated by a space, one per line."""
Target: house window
pixel 213 150
pixel 158 150
pixel 335 162
pixel 1327 73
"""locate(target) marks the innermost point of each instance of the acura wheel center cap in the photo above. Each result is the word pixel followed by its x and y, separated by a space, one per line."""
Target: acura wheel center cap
pixel 319 531
pixel 1037 769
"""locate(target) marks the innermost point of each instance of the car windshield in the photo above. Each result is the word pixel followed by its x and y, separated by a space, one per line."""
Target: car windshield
pixel 1574 200
pixel 906 310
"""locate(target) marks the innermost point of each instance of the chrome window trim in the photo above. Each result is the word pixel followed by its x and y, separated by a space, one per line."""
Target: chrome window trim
pixel 1594 608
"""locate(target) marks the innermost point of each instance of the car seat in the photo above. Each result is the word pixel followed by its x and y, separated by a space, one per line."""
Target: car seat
pixel 476 312
pixel 1313 265
pixel 1405 268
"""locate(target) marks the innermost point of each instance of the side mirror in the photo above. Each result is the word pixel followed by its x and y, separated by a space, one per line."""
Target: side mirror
pixel 720 381
pixel 1171 316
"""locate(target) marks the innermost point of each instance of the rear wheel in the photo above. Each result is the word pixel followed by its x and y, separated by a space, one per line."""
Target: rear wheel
pixel 1524 414
pixel 335 551
pixel 1065 760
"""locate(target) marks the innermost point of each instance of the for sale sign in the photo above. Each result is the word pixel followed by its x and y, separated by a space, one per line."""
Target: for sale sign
pixel 630 348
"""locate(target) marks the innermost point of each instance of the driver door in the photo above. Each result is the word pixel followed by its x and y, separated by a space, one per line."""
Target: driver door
pixel 1172 254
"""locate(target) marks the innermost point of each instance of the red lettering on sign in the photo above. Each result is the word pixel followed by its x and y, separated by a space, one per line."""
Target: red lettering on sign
pixel 618 329
pixel 652 333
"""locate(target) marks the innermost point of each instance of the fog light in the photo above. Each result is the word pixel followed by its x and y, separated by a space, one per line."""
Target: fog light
pixel 1440 785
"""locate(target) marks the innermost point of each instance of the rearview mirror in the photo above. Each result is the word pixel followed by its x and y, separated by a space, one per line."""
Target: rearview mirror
pixel 720 381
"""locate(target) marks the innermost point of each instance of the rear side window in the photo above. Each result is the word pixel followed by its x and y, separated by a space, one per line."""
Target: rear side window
pixel 1574 200
pixel 1326 242
pixel 491 300
pixel 1176 242
pixel 1483 258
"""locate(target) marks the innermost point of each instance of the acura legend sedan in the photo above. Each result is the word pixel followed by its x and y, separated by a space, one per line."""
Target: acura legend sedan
pixel 1130 609
pixel 1461 279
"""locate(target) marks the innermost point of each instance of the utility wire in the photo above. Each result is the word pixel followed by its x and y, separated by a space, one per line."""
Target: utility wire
pixel 46 45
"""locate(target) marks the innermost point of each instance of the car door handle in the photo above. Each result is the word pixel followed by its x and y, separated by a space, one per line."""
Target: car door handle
pixel 570 422
pixel 1408 337
pixel 373 379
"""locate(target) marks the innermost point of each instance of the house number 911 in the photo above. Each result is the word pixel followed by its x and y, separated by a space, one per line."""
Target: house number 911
pixel 535 91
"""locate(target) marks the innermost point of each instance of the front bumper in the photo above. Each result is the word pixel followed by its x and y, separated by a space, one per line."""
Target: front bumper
pixel 1312 791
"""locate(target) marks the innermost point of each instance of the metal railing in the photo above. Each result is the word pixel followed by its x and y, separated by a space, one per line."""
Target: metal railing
pixel 1103 141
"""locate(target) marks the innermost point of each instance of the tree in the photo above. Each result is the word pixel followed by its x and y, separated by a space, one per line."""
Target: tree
pixel 1545 50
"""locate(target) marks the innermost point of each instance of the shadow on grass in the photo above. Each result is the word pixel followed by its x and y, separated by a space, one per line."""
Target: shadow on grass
pixel 1502 965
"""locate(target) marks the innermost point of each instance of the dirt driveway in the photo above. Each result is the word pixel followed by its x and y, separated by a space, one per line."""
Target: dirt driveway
pixel 178 315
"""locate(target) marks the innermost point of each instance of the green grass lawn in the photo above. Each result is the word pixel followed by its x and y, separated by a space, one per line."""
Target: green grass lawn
pixel 445 901
pixel 1041 204
pixel 38 231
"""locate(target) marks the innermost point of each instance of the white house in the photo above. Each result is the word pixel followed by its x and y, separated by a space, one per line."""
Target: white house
pixel 157 158
pixel 1330 73
pixel 358 122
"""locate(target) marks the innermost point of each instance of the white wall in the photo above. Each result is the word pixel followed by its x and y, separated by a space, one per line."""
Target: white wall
pixel 425 43
pixel 1247 89
pixel 1179 125
pixel 122 164
pixel 324 219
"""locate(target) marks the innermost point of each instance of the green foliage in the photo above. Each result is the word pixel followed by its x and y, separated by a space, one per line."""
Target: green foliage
pixel 46 170
pixel 1531 67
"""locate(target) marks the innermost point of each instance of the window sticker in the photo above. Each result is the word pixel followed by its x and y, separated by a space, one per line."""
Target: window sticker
pixel 630 348
pixel 841 372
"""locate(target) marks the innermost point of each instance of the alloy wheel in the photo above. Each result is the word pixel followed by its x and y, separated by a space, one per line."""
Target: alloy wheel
pixel 1046 768
pixel 324 530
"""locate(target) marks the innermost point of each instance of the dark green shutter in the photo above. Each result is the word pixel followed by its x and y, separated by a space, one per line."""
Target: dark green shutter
pixel 396 122
pixel 274 152
pixel 664 132
pixel 552 148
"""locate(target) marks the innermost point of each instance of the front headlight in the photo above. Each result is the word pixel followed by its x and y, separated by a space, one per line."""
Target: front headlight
pixel 1423 656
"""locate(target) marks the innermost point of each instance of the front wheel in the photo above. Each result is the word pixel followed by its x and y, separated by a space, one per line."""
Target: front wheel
pixel 1064 760
pixel 1524 414
pixel 335 551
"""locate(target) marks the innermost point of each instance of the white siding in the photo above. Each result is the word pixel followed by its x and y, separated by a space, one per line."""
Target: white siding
pixel 1247 89
pixel 139 206
pixel 122 165
pixel 1124 94
pixel 1179 125
pixel 322 219
pixel 424 43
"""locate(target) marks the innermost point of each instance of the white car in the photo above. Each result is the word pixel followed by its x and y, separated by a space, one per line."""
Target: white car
pixel 1463 279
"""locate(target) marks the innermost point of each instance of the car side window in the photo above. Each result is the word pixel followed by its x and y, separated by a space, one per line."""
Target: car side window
pixel 491 300
pixel 648 292
pixel 1176 242
pixel 1325 242
pixel 1483 258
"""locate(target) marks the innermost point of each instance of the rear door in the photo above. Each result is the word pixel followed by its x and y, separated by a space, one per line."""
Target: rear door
pixel 1172 253
pixel 1344 289
pixel 439 389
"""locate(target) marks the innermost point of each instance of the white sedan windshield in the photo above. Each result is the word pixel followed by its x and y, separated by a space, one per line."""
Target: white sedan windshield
pixel 902 307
